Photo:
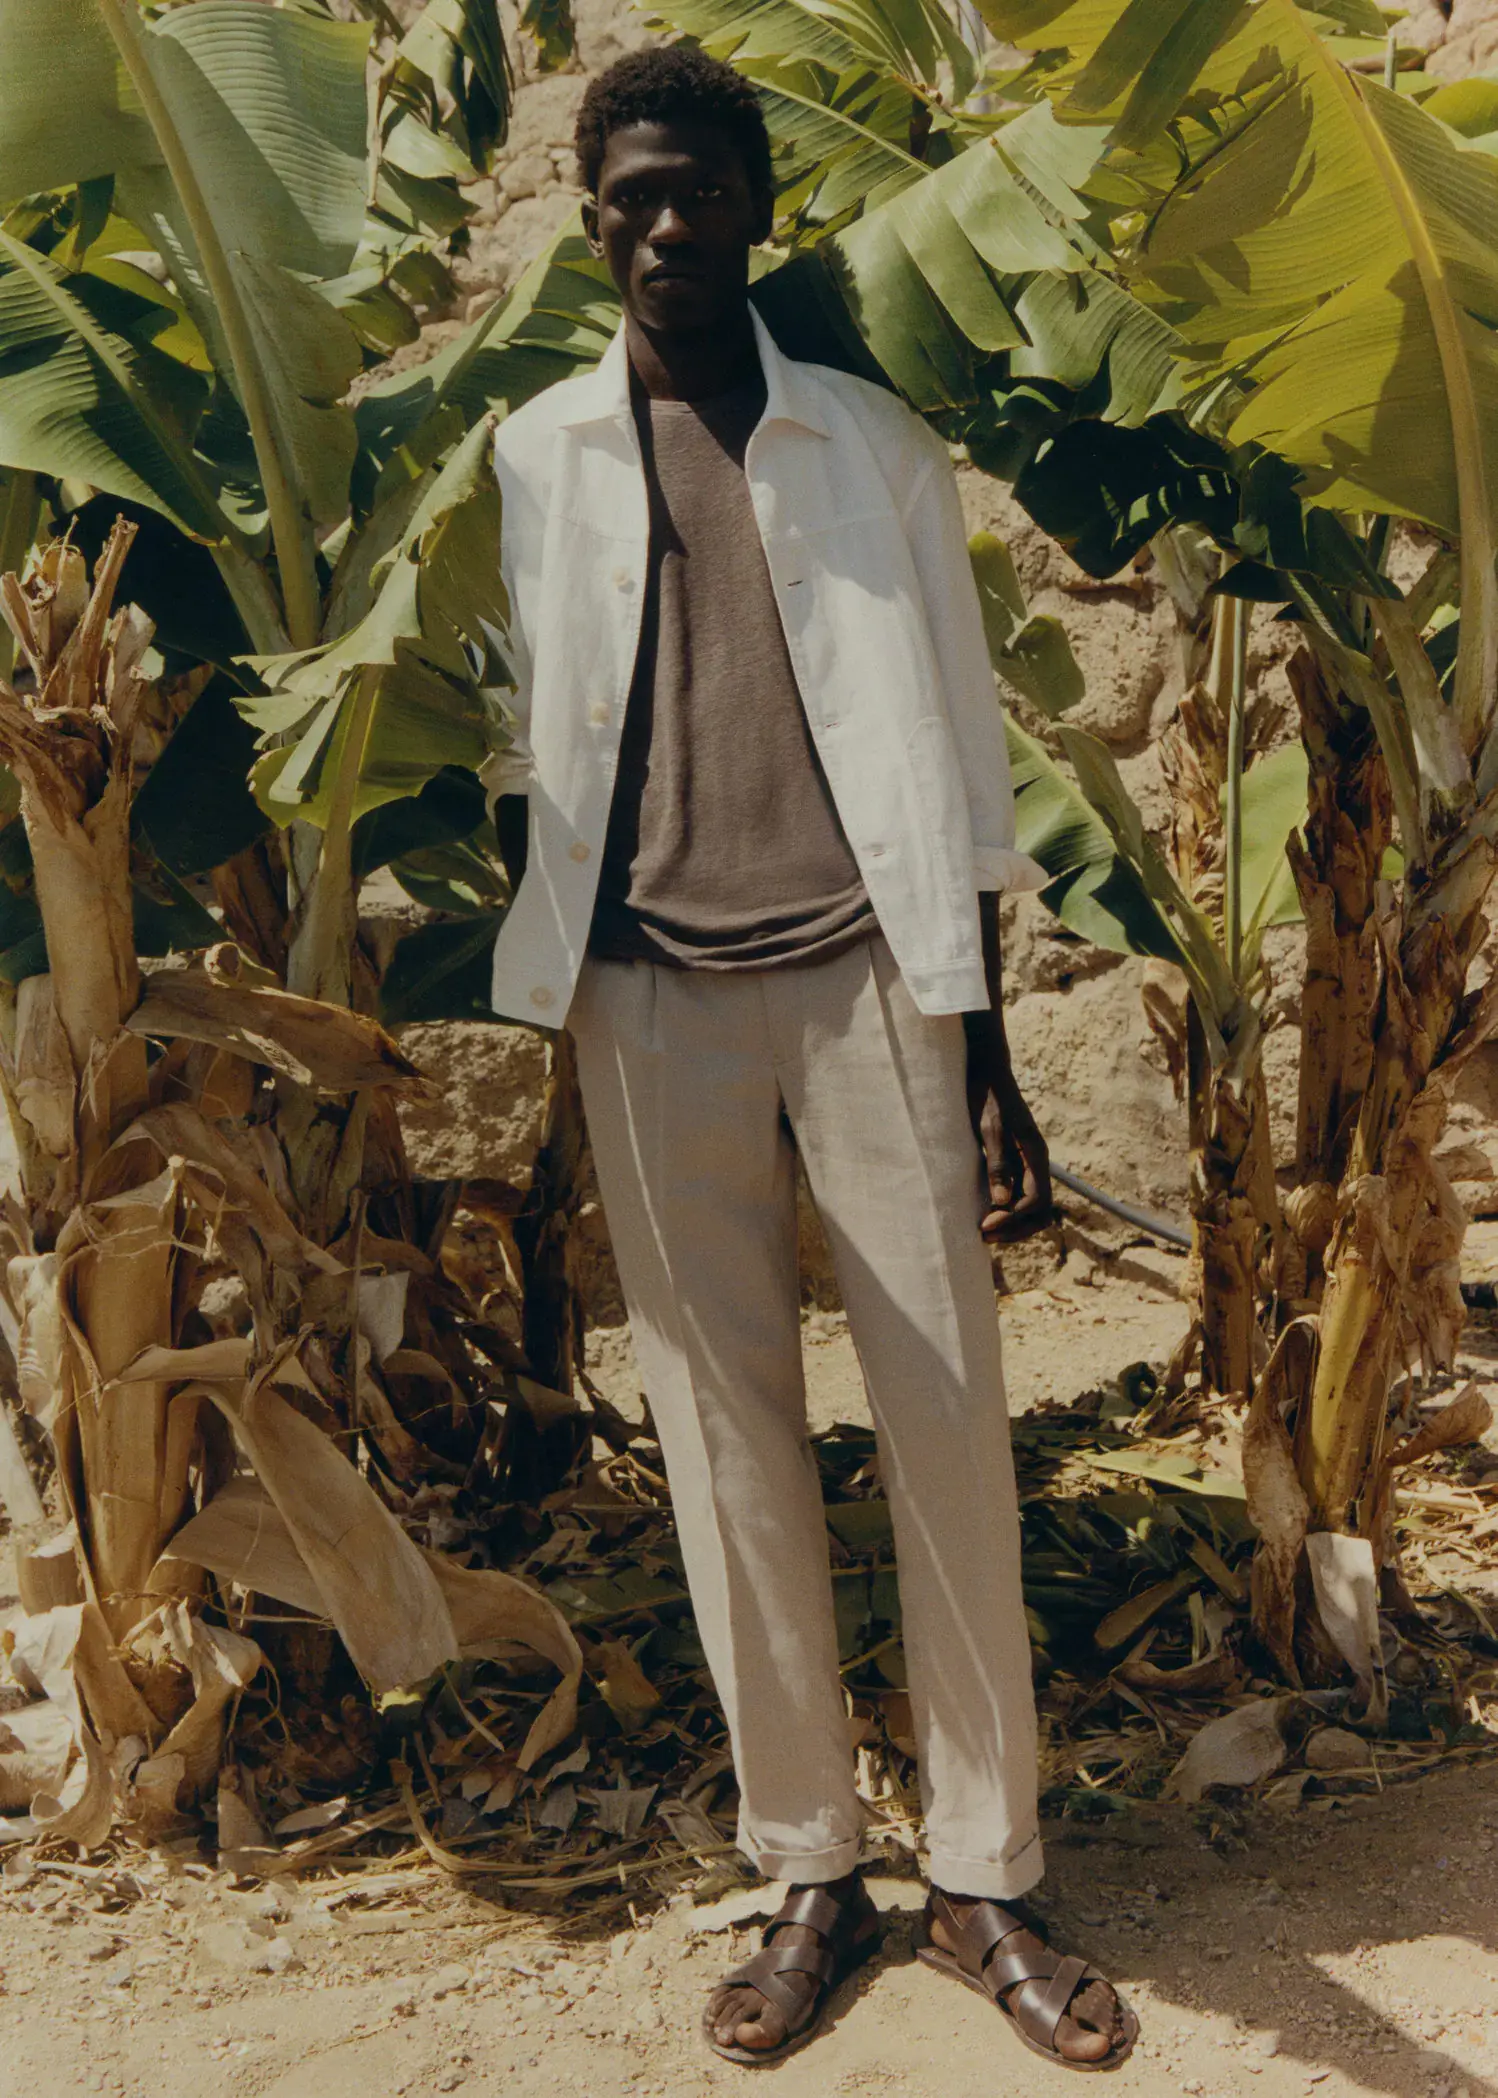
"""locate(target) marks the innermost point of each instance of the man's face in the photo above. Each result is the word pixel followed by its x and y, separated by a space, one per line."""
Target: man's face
pixel 674 219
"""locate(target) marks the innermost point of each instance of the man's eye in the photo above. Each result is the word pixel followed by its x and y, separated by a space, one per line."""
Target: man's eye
pixel 709 192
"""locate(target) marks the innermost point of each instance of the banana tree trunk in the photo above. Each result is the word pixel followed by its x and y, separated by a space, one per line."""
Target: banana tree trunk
pixel 551 1329
pixel 1391 1191
pixel 94 1269
pixel 141 1184
pixel 1234 1212
pixel 1337 865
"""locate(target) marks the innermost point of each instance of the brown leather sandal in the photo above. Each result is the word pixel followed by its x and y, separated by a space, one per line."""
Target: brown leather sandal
pixel 1046 1984
pixel 850 1931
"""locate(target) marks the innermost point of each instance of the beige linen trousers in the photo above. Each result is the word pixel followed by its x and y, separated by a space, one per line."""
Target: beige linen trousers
pixel 689 1079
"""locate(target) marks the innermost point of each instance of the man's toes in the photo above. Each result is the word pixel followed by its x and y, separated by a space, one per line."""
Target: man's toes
pixel 756 2024
pixel 1097 2006
pixel 744 2019
pixel 1090 2031
pixel 1079 2043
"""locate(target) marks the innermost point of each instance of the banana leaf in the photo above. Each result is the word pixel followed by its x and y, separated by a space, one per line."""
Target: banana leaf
pixel 1094 890
pixel 419 623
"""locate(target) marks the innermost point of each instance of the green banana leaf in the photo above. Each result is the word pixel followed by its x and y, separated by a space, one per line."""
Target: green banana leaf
pixel 909 40
pixel 557 318
pixel 455 59
pixel 66 111
pixel 1031 653
pixel 550 27
pixel 975 260
pixel 269 109
pixel 84 393
pixel 421 594
pixel 1135 62
pixel 1329 253
pixel 441 972
pixel 1275 796
pixel 1094 890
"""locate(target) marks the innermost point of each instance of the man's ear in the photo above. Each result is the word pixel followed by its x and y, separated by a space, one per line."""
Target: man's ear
pixel 764 217
pixel 590 227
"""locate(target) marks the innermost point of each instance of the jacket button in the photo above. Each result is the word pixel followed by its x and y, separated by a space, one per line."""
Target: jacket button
pixel 600 716
pixel 543 997
pixel 622 579
pixel 578 851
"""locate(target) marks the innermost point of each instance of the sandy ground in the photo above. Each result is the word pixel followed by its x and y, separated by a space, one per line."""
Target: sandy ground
pixel 1084 1303
pixel 1349 1945
pixel 1350 1951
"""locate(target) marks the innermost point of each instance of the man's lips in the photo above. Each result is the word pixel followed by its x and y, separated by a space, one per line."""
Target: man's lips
pixel 674 273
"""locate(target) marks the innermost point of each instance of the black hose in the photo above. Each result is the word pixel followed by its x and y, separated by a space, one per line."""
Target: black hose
pixel 1477 1296
pixel 1170 1234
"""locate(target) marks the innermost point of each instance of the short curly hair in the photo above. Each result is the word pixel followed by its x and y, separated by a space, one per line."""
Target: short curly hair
pixel 672 84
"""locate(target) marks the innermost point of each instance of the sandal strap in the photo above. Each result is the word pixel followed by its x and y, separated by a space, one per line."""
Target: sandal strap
pixel 813 1907
pixel 980 1932
pixel 1036 1988
pixel 1039 2010
pixel 815 1960
pixel 1006 1970
pixel 835 1923
pixel 794 2005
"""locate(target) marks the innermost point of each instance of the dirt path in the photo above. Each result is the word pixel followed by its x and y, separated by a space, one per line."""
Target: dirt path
pixel 1350 1950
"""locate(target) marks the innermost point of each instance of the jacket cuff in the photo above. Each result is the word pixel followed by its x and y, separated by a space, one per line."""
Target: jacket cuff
pixel 507 772
pixel 1000 867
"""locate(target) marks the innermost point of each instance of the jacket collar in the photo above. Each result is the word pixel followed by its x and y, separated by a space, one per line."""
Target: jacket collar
pixel 791 392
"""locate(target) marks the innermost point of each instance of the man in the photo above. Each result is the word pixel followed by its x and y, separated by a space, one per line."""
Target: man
pixel 769 812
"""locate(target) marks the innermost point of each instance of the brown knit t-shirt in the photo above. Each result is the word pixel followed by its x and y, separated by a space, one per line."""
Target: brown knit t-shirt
pixel 724 850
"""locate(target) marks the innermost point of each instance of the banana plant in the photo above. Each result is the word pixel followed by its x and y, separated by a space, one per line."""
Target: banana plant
pixel 182 1452
pixel 239 220
pixel 1134 296
pixel 1204 907
pixel 1365 366
pixel 243 214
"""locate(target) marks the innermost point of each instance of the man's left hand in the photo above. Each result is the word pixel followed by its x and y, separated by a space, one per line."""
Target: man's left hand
pixel 1014 1151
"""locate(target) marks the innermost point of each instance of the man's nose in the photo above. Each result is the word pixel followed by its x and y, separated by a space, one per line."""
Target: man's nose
pixel 669 225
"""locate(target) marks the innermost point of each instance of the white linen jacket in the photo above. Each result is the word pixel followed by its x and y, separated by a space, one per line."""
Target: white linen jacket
pixel 858 511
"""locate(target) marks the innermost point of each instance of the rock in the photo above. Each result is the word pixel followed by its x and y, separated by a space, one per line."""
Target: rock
pixel 1042 954
pixel 225 1304
pixel 487 1120
pixel 1334 1748
pixel 276 1956
pixel 448 1981
pixel 231 1947
pixel 1124 648
pixel 1240 1748
pixel 1106 1112
pixel 1470 41
pixel 526 174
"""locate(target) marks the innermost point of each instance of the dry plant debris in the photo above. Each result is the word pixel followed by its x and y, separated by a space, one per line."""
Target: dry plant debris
pixel 1136 1569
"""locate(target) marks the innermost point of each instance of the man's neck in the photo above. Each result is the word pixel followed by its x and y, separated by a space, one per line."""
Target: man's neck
pixel 694 366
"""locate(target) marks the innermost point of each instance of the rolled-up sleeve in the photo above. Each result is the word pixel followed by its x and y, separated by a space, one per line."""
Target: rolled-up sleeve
pixel 937 536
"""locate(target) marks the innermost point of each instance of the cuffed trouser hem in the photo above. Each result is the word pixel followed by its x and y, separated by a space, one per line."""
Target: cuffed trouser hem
pixel 803 1868
pixel 994 1881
